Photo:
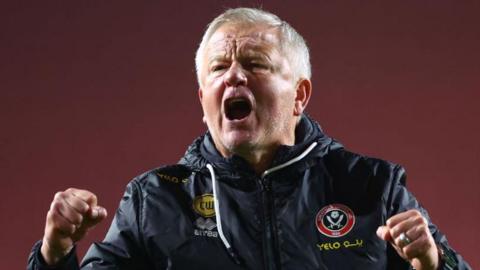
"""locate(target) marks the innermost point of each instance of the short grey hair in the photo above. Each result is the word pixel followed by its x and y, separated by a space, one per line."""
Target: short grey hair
pixel 293 44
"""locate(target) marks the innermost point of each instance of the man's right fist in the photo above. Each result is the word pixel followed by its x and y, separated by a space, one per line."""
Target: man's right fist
pixel 72 213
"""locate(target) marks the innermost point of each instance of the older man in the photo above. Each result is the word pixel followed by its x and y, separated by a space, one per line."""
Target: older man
pixel 264 188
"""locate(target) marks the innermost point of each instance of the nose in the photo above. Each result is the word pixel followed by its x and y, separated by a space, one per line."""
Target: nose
pixel 235 75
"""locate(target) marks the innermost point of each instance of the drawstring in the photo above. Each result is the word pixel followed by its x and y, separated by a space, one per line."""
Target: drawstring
pixel 291 161
pixel 216 204
pixel 218 218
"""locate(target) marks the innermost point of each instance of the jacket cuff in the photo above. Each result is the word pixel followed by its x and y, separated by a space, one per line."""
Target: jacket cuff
pixel 448 260
pixel 66 263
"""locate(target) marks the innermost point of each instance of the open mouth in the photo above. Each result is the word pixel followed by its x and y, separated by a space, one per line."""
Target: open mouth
pixel 237 108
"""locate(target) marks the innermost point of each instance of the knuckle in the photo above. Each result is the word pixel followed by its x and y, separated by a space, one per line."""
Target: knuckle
pixel 397 242
pixel 56 206
pixel 389 222
pixel 424 221
pixel 415 213
pixel 82 208
pixel 78 219
pixel 71 229
pixel 395 232
pixel 58 195
pixel 417 221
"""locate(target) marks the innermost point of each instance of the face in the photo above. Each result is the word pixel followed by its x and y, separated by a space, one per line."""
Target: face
pixel 249 98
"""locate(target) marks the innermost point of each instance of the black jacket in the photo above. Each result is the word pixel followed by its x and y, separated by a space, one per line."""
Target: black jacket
pixel 317 208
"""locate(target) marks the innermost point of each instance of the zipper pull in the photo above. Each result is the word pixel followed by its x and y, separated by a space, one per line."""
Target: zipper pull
pixel 264 183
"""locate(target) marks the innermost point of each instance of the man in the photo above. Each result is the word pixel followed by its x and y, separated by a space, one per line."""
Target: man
pixel 264 188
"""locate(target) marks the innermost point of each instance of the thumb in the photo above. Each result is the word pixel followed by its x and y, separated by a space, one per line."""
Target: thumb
pixel 94 216
pixel 98 214
pixel 383 233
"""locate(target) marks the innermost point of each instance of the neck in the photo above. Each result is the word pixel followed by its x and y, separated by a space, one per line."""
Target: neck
pixel 260 160
pixel 259 156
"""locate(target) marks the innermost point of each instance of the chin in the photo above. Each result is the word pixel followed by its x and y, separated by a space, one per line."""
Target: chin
pixel 238 144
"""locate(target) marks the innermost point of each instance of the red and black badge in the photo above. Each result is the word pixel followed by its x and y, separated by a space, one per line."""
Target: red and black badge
pixel 335 220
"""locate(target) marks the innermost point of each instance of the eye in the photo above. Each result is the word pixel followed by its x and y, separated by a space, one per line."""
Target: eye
pixel 218 67
pixel 259 67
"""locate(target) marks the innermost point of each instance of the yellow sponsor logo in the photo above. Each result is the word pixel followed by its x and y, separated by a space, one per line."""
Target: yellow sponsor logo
pixel 204 205
pixel 339 245
pixel 172 179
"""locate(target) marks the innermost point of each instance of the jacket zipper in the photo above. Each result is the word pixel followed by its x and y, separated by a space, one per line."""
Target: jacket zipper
pixel 270 241
pixel 269 236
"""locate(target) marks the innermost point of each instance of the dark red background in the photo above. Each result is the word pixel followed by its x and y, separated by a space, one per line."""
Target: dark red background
pixel 95 92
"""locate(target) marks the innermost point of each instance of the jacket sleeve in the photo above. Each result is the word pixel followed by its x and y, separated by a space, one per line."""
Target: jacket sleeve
pixel 36 261
pixel 401 200
pixel 121 249
pixel 123 246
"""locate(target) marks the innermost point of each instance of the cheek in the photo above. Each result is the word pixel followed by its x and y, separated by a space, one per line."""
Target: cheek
pixel 281 103
pixel 214 82
pixel 209 109
pixel 272 112
pixel 211 105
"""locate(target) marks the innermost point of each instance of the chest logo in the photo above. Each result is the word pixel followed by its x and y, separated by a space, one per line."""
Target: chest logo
pixel 204 205
pixel 335 220
pixel 204 227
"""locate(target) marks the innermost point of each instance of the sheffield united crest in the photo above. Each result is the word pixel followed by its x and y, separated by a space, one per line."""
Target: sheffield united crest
pixel 335 220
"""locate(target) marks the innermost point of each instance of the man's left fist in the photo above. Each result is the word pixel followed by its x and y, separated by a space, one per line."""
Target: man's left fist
pixel 409 234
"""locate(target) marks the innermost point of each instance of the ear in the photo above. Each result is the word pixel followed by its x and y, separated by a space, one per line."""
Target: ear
pixel 200 94
pixel 303 93
pixel 200 97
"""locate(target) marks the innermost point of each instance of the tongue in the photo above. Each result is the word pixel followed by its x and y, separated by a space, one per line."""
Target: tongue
pixel 238 110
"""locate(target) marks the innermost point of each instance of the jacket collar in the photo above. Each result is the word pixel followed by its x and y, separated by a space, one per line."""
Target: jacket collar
pixel 203 151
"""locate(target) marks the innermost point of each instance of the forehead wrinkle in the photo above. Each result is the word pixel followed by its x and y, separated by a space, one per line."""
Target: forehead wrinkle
pixel 254 52
pixel 221 48
pixel 225 46
pixel 257 45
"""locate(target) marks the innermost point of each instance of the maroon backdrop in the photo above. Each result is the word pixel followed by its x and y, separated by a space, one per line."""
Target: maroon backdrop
pixel 94 92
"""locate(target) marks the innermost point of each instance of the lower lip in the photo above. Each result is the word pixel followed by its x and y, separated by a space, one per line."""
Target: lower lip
pixel 238 121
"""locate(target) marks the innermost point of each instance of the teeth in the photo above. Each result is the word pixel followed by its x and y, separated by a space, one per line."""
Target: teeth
pixel 232 101
pixel 236 100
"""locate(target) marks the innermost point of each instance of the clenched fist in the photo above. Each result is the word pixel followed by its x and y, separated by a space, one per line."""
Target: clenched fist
pixel 409 234
pixel 72 213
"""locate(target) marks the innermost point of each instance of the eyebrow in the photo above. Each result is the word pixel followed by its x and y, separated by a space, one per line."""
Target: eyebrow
pixel 249 55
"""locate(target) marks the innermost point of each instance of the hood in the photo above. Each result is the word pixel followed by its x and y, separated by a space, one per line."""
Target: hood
pixel 202 151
